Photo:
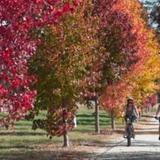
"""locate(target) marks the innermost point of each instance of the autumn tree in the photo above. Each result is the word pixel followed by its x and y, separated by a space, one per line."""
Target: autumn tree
pixel 113 99
pixel 17 20
pixel 61 61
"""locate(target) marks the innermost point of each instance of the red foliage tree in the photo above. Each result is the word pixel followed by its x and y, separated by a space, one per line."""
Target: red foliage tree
pixel 149 101
pixel 18 18
pixel 114 97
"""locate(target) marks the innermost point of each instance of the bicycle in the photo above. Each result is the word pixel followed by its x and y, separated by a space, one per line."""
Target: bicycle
pixel 158 118
pixel 129 130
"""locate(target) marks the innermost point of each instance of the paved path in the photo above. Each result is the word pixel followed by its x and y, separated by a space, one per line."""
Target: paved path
pixel 146 145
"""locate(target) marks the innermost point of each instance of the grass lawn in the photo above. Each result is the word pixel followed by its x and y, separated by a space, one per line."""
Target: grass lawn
pixel 25 143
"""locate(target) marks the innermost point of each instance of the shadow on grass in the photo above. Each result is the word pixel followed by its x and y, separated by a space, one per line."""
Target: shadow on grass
pixel 84 130
pixel 21 134
pixel 16 147
pixel 24 124
pixel 92 122
pixel 47 155
pixel 90 128
pixel 98 143
pixel 91 115
pixel 87 119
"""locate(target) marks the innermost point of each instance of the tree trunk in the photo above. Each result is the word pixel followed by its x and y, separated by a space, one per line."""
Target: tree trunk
pixel 65 135
pixel 65 140
pixel 112 121
pixel 97 127
pixel 75 121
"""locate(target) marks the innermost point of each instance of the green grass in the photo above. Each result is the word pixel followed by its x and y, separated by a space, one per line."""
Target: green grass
pixel 24 140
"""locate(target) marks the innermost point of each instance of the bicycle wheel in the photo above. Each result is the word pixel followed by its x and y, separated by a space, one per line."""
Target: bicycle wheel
pixel 129 134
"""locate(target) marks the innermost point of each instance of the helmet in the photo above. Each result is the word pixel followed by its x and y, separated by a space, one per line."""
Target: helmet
pixel 129 99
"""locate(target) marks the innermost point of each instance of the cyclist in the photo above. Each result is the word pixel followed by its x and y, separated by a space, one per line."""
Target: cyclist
pixel 131 112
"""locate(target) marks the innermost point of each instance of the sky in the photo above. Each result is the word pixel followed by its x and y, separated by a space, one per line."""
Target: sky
pixel 148 0
pixel 148 6
pixel 149 9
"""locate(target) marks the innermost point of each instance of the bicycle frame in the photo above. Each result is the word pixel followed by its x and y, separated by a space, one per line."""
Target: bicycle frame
pixel 129 130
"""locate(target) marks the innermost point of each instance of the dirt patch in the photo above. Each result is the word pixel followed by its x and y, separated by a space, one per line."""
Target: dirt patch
pixel 80 150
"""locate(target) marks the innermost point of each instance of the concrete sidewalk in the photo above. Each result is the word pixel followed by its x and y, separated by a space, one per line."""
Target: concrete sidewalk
pixel 145 146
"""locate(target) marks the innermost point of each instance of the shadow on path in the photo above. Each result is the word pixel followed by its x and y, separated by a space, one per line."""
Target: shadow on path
pixel 130 156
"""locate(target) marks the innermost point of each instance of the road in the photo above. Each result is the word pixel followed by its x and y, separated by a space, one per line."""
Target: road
pixel 145 146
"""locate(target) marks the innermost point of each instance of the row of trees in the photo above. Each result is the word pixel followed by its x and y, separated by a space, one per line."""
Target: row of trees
pixel 139 81
pixel 69 52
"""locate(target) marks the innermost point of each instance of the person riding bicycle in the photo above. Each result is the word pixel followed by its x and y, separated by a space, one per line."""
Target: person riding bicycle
pixel 131 112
